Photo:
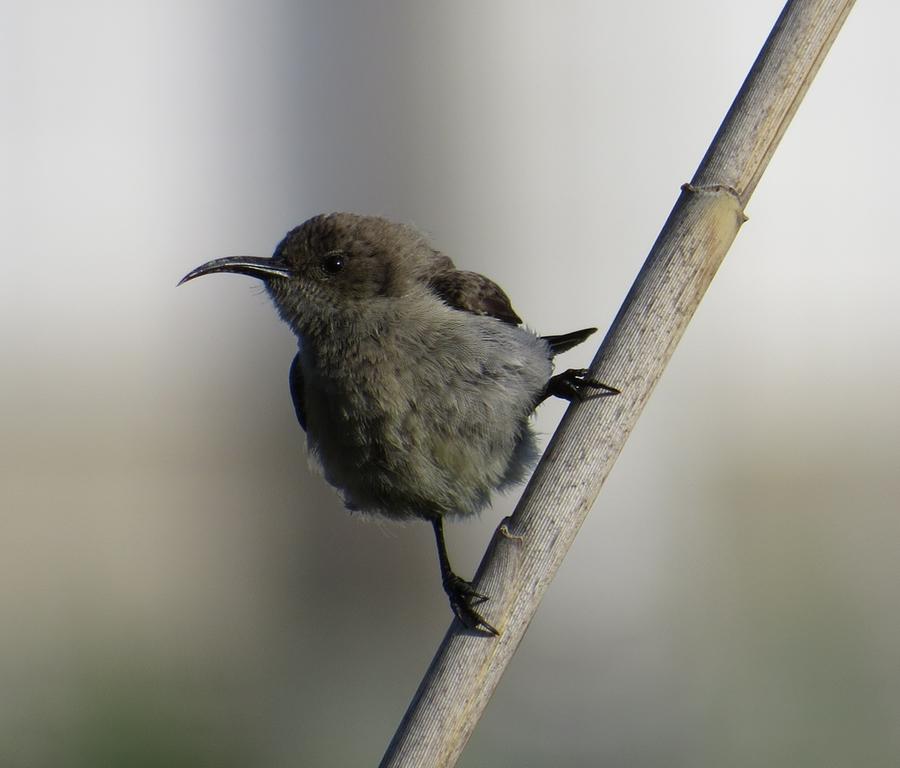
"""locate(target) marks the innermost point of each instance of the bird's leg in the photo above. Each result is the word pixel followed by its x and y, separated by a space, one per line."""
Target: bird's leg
pixel 461 592
pixel 573 385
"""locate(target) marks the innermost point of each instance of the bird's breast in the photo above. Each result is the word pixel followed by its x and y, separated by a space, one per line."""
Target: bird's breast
pixel 413 419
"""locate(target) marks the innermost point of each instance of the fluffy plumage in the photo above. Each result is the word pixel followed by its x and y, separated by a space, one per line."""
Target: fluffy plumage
pixel 414 381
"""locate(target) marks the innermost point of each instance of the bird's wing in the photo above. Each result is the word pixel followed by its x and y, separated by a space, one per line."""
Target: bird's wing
pixel 471 292
pixel 296 380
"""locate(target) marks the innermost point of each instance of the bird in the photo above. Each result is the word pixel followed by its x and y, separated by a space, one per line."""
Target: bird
pixel 414 381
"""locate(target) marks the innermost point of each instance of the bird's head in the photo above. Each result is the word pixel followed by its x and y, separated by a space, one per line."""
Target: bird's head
pixel 337 265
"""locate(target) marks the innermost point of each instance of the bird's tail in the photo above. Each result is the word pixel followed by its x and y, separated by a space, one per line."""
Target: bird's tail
pixel 565 341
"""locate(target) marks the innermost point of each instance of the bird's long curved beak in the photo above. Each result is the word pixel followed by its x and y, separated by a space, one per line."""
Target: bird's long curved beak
pixel 241 265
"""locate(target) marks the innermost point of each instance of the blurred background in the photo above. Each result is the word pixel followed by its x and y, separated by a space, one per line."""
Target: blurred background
pixel 177 588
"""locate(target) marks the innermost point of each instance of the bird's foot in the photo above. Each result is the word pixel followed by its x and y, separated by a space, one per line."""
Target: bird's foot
pixel 463 598
pixel 574 385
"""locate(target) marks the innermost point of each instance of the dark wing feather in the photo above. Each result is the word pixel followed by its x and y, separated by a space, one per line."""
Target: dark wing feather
pixel 296 381
pixel 565 341
pixel 471 292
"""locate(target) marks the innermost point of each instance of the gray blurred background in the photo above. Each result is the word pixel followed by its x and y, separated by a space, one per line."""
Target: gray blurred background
pixel 178 589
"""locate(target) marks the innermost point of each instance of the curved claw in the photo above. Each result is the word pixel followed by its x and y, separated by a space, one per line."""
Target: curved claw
pixel 463 598
pixel 572 385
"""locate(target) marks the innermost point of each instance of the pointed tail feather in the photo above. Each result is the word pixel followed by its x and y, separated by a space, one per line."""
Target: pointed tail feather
pixel 565 341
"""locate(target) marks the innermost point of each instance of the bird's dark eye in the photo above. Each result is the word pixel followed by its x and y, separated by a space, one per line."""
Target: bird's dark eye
pixel 333 263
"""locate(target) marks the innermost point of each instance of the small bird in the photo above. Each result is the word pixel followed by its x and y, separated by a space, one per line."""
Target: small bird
pixel 413 380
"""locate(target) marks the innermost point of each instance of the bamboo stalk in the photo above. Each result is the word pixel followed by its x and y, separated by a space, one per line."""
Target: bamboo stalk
pixel 528 547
